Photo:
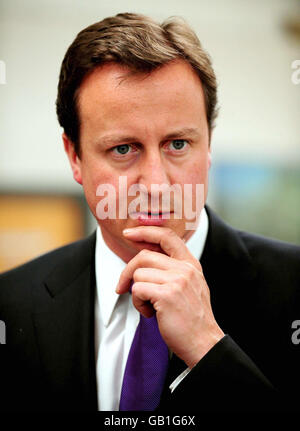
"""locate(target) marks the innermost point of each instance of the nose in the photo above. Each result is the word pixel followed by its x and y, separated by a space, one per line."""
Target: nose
pixel 153 169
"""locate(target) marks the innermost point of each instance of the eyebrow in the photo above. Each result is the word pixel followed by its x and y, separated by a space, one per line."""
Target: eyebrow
pixel 186 131
pixel 118 139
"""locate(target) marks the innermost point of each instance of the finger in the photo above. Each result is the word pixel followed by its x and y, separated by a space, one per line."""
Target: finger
pixel 144 295
pixel 151 259
pixel 151 275
pixel 144 259
pixel 166 238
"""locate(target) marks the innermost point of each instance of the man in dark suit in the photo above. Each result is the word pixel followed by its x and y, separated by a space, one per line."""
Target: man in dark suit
pixel 138 101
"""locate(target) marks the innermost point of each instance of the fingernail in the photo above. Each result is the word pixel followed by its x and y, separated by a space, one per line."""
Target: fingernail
pixel 127 231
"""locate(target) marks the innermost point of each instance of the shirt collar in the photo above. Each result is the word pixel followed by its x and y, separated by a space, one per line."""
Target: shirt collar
pixel 108 266
pixel 196 242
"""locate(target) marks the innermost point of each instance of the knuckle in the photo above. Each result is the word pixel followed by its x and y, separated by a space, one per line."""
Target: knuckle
pixel 133 289
pixel 166 294
pixel 143 253
pixel 189 269
pixel 137 274
pixel 183 278
pixel 180 280
pixel 169 232
pixel 177 292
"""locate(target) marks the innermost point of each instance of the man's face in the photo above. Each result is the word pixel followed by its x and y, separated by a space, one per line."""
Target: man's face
pixel 151 129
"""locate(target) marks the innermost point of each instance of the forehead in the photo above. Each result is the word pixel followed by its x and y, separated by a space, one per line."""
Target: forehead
pixel 111 93
pixel 113 78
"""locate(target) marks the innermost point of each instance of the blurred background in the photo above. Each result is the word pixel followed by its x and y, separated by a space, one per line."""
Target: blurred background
pixel 255 176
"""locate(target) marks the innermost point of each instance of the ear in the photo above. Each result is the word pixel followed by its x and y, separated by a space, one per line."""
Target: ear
pixel 209 158
pixel 74 160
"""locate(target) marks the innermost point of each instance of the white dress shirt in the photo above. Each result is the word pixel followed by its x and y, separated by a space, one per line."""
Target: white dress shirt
pixel 116 318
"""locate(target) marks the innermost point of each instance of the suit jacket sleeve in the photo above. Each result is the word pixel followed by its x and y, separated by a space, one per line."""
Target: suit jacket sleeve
pixel 225 378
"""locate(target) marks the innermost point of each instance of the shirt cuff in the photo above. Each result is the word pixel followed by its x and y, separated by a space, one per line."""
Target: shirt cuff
pixel 179 379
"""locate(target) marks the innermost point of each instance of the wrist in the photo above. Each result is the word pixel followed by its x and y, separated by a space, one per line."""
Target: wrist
pixel 203 348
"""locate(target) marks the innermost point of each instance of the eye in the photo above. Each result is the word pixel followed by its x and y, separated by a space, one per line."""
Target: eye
pixel 122 149
pixel 178 144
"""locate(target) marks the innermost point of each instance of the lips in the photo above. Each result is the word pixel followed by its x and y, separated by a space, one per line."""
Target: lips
pixel 156 215
pixel 153 215
pixel 153 218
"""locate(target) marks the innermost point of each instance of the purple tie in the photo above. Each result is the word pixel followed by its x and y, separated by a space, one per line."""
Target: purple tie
pixel 146 368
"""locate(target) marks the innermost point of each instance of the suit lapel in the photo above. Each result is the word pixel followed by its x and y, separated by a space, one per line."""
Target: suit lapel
pixel 64 324
pixel 229 272
pixel 225 248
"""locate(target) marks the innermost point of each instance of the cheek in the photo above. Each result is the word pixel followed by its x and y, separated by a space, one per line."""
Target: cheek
pixel 95 174
pixel 92 178
pixel 196 173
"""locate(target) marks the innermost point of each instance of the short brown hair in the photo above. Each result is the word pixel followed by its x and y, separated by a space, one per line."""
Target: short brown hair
pixel 139 43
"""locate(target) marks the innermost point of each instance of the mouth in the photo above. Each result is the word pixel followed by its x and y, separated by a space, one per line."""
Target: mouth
pixel 155 215
pixel 152 218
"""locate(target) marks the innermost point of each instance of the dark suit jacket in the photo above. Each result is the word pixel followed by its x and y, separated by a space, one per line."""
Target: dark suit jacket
pixel 48 362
